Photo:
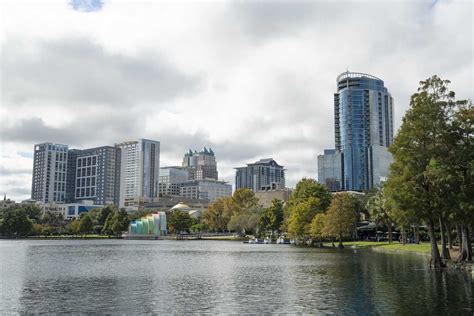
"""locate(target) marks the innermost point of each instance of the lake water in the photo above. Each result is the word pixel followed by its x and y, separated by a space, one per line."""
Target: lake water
pixel 128 277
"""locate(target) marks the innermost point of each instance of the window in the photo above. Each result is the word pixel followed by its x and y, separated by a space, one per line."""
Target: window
pixel 88 171
pixel 89 161
pixel 94 160
pixel 88 182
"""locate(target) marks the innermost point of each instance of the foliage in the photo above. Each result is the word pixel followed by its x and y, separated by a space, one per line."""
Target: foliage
pixel 116 223
pixel 218 214
pixel 272 217
pixel 15 221
pixel 431 176
pixel 86 224
pixel 179 221
pixel 341 216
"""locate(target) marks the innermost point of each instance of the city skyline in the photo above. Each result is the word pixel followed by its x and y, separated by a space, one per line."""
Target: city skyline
pixel 260 84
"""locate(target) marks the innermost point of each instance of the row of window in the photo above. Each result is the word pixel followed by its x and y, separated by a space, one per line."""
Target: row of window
pixel 86 161
pixel 85 182
pixel 86 171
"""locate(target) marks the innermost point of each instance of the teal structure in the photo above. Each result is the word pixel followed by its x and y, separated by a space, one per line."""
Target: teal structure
pixel 151 225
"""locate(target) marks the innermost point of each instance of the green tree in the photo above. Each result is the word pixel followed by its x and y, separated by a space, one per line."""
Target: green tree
pixel 341 216
pixel 317 227
pixel 74 227
pixel 218 215
pixel 272 217
pixel 380 211
pixel 306 189
pixel 418 149
pixel 243 200
pixel 14 221
pixel 302 214
pixel 179 221
pixel 86 225
pixel 246 221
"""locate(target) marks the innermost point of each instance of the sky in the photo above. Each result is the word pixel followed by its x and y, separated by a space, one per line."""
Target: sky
pixel 250 79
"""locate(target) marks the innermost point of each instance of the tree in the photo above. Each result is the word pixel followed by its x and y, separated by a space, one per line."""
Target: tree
pixel 414 184
pixel 86 225
pixel 308 199
pixel 218 214
pixel 246 220
pixel 380 211
pixel 116 223
pixel 179 221
pixel 272 217
pixel 341 216
pixel 243 200
pixel 74 226
pixel 15 221
pixel 317 227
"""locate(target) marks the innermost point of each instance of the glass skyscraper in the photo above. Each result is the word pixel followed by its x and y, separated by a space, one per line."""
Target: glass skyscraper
pixel 363 118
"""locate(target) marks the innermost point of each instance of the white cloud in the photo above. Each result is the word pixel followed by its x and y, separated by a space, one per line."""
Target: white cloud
pixel 250 80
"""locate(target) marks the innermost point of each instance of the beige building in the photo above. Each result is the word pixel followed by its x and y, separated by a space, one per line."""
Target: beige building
pixel 266 197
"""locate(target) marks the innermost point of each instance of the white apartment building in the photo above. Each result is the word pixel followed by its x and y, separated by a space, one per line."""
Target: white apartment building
pixel 139 171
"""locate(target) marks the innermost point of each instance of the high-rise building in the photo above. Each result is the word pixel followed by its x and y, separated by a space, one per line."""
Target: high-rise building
pixel 265 174
pixel 171 179
pixel 363 118
pixel 49 173
pixel 330 170
pixel 139 171
pixel 210 190
pixel 97 175
pixel 201 165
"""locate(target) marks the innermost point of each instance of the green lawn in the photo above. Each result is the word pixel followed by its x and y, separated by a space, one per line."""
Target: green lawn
pixel 423 248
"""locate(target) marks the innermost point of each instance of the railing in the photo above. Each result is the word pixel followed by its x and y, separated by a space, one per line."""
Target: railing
pixel 348 74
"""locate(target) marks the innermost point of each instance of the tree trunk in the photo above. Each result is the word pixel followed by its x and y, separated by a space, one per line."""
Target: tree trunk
pixel 444 250
pixel 340 246
pixel 389 232
pixel 404 240
pixel 458 237
pixel 320 242
pixel 435 257
pixel 466 250
pixel 415 237
pixel 332 240
pixel 449 235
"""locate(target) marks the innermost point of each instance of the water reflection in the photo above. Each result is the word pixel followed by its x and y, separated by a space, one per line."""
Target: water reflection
pixel 115 276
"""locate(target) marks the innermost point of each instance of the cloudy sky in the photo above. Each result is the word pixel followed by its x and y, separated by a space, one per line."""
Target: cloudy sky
pixel 250 79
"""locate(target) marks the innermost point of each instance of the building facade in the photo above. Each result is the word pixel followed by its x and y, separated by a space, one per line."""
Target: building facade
pixel 363 119
pixel 201 165
pixel 330 170
pixel 265 198
pixel 264 174
pixel 139 171
pixel 97 175
pixel 210 190
pixel 49 173
pixel 170 180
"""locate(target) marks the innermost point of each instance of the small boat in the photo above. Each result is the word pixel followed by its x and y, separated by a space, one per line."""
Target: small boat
pixel 267 240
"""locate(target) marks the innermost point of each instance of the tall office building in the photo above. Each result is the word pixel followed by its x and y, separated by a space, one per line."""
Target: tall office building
pixel 363 118
pixel 49 173
pixel 265 174
pixel 171 179
pixel 97 175
pixel 139 171
pixel 201 165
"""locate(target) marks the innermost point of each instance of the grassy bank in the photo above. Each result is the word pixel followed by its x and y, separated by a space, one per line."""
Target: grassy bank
pixel 422 248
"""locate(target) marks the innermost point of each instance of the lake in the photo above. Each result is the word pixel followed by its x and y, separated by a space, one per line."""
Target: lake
pixel 129 276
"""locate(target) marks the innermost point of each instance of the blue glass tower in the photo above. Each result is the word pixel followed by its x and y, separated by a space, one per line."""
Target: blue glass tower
pixel 363 118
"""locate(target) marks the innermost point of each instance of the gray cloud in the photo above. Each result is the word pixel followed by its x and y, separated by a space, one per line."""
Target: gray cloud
pixel 84 130
pixel 77 70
